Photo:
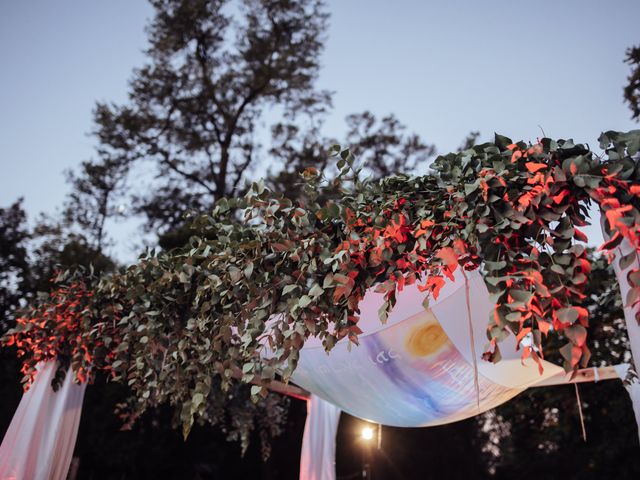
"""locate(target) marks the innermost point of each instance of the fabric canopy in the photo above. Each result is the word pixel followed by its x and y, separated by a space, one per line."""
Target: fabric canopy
pixel 40 440
pixel 633 327
pixel 418 369
pixel 317 457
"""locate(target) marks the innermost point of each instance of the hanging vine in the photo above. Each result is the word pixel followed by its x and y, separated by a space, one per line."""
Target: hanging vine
pixel 264 271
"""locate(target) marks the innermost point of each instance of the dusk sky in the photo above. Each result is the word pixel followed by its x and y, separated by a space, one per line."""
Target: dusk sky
pixel 444 68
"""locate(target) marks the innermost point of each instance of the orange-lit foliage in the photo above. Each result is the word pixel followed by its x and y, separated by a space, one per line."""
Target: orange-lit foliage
pixel 58 328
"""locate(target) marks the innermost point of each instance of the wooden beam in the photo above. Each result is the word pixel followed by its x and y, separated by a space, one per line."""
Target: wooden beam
pixel 275 386
pixel 288 389
pixel 582 376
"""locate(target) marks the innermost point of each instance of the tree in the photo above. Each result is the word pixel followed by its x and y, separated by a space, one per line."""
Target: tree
pixel 91 200
pixel 632 90
pixel 14 267
pixel 214 68
pixel 30 257
pixel 193 118
pixel 15 285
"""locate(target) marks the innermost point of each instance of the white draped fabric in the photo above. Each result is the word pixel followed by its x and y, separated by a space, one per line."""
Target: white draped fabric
pixel 318 456
pixel 633 388
pixel 418 369
pixel 40 440
pixel 633 328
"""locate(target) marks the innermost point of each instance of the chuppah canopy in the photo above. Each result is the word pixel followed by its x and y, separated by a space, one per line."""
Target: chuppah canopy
pixel 409 268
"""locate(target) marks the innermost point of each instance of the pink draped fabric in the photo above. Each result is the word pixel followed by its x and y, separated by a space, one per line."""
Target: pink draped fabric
pixel 318 457
pixel 40 440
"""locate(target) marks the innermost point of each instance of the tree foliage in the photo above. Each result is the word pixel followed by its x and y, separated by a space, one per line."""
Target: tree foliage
pixel 221 79
pixel 14 268
pixel 632 89
pixel 193 117
pixel 31 256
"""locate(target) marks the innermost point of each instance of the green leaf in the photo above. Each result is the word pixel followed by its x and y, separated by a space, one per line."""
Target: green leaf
pixel 523 296
pixel 425 302
pixel 255 389
pixel 513 316
pixel 248 270
pixel 247 367
pixel 316 290
pixel 197 400
pixel 627 260
pixel 495 265
pixel 482 227
pixel 567 315
pixel 334 150
pixel 502 142
pixel 289 288
pixel 304 301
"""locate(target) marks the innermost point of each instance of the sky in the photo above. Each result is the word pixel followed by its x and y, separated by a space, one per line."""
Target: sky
pixel 444 68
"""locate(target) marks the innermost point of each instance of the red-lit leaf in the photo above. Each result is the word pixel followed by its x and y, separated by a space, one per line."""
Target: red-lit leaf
pixel 449 257
pixel 560 196
pixel 544 326
pixel 435 284
pixel 612 243
pixel 534 167
pixel 571 354
pixel 578 235
pixel 577 334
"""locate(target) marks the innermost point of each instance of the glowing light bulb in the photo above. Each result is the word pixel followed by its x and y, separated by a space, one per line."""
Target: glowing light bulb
pixel 367 433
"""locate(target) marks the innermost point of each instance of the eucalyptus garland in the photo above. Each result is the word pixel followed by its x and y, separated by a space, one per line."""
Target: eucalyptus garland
pixel 266 271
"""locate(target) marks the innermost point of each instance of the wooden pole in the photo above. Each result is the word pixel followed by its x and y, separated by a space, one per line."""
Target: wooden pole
pixel 581 376
pixel 275 386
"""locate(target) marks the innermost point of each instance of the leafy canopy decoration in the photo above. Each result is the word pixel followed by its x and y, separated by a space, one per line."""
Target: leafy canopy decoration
pixel 265 272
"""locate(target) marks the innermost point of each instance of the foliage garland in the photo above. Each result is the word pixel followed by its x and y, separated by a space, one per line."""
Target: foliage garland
pixel 178 324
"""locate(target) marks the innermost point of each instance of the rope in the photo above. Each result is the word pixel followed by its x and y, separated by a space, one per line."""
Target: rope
pixel 476 381
pixel 584 430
